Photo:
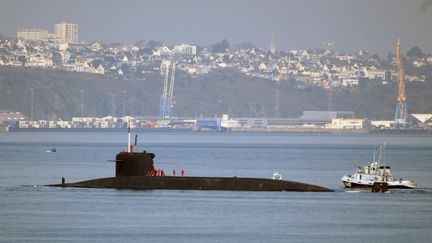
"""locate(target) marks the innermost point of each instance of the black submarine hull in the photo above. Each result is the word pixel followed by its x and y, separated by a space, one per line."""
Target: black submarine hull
pixel 135 170
pixel 196 183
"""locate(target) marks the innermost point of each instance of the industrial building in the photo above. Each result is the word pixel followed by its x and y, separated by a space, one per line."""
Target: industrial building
pixel 341 123
pixel 423 121
pixel 11 118
pixel 316 119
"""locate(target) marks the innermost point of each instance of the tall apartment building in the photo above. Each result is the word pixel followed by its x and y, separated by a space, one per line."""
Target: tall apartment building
pixel 66 32
pixel 32 34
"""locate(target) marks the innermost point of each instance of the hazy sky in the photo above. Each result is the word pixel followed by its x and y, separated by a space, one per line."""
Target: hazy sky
pixel 372 25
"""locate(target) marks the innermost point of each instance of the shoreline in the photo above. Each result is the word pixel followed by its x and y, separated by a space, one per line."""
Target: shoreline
pixel 233 130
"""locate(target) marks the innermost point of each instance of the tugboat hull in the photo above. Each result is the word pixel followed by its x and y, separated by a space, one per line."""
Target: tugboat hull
pixel 390 185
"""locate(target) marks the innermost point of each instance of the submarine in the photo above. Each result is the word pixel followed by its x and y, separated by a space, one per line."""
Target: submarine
pixel 135 170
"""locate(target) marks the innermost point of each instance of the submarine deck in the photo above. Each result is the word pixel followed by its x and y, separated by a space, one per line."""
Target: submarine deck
pixel 196 183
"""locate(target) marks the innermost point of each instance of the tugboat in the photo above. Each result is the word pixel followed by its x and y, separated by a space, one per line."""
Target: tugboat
pixel 377 172
pixel 135 170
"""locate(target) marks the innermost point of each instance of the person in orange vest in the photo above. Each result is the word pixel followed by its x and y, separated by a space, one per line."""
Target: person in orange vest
pixel 173 172
pixel 158 172
pixel 162 173
pixel 182 172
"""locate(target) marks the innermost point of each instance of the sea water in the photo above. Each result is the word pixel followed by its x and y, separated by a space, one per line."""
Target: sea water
pixel 30 211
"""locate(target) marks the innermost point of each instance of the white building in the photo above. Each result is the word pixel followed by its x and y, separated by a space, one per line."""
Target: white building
pixel 66 32
pixel 186 49
pixel 162 51
pixel 64 124
pixel 341 123
pixel 226 122
pixel 32 34
pixel 349 82
pixel 100 69
pixel 374 73
pixel 382 124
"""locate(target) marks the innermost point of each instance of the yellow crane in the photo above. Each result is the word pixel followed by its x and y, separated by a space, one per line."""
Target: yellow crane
pixel 400 121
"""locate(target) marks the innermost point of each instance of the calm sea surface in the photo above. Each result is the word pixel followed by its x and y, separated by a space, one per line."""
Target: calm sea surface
pixel 31 212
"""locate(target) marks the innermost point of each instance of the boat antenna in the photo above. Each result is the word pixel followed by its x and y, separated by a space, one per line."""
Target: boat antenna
pixel 383 160
pixel 129 138
pixel 380 154
pixel 374 154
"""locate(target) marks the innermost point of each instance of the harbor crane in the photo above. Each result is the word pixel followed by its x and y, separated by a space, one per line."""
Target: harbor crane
pixel 400 120
pixel 166 99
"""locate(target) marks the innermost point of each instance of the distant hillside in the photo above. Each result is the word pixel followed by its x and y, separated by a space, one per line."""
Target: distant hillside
pixel 57 95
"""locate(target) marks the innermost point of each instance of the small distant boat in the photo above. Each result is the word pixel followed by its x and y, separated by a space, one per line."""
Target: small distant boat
pixel 377 172
pixel 53 150
pixel 276 176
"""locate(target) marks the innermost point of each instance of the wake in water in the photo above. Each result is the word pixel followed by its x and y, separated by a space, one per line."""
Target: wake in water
pixel 399 191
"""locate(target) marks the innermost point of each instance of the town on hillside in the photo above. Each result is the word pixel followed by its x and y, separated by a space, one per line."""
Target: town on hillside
pixel 62 50
pixel 322 67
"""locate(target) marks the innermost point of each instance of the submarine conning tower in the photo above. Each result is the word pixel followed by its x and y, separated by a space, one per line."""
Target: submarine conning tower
pixel 134 163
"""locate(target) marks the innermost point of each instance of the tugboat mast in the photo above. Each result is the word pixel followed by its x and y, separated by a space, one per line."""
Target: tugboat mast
pixel 129 138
